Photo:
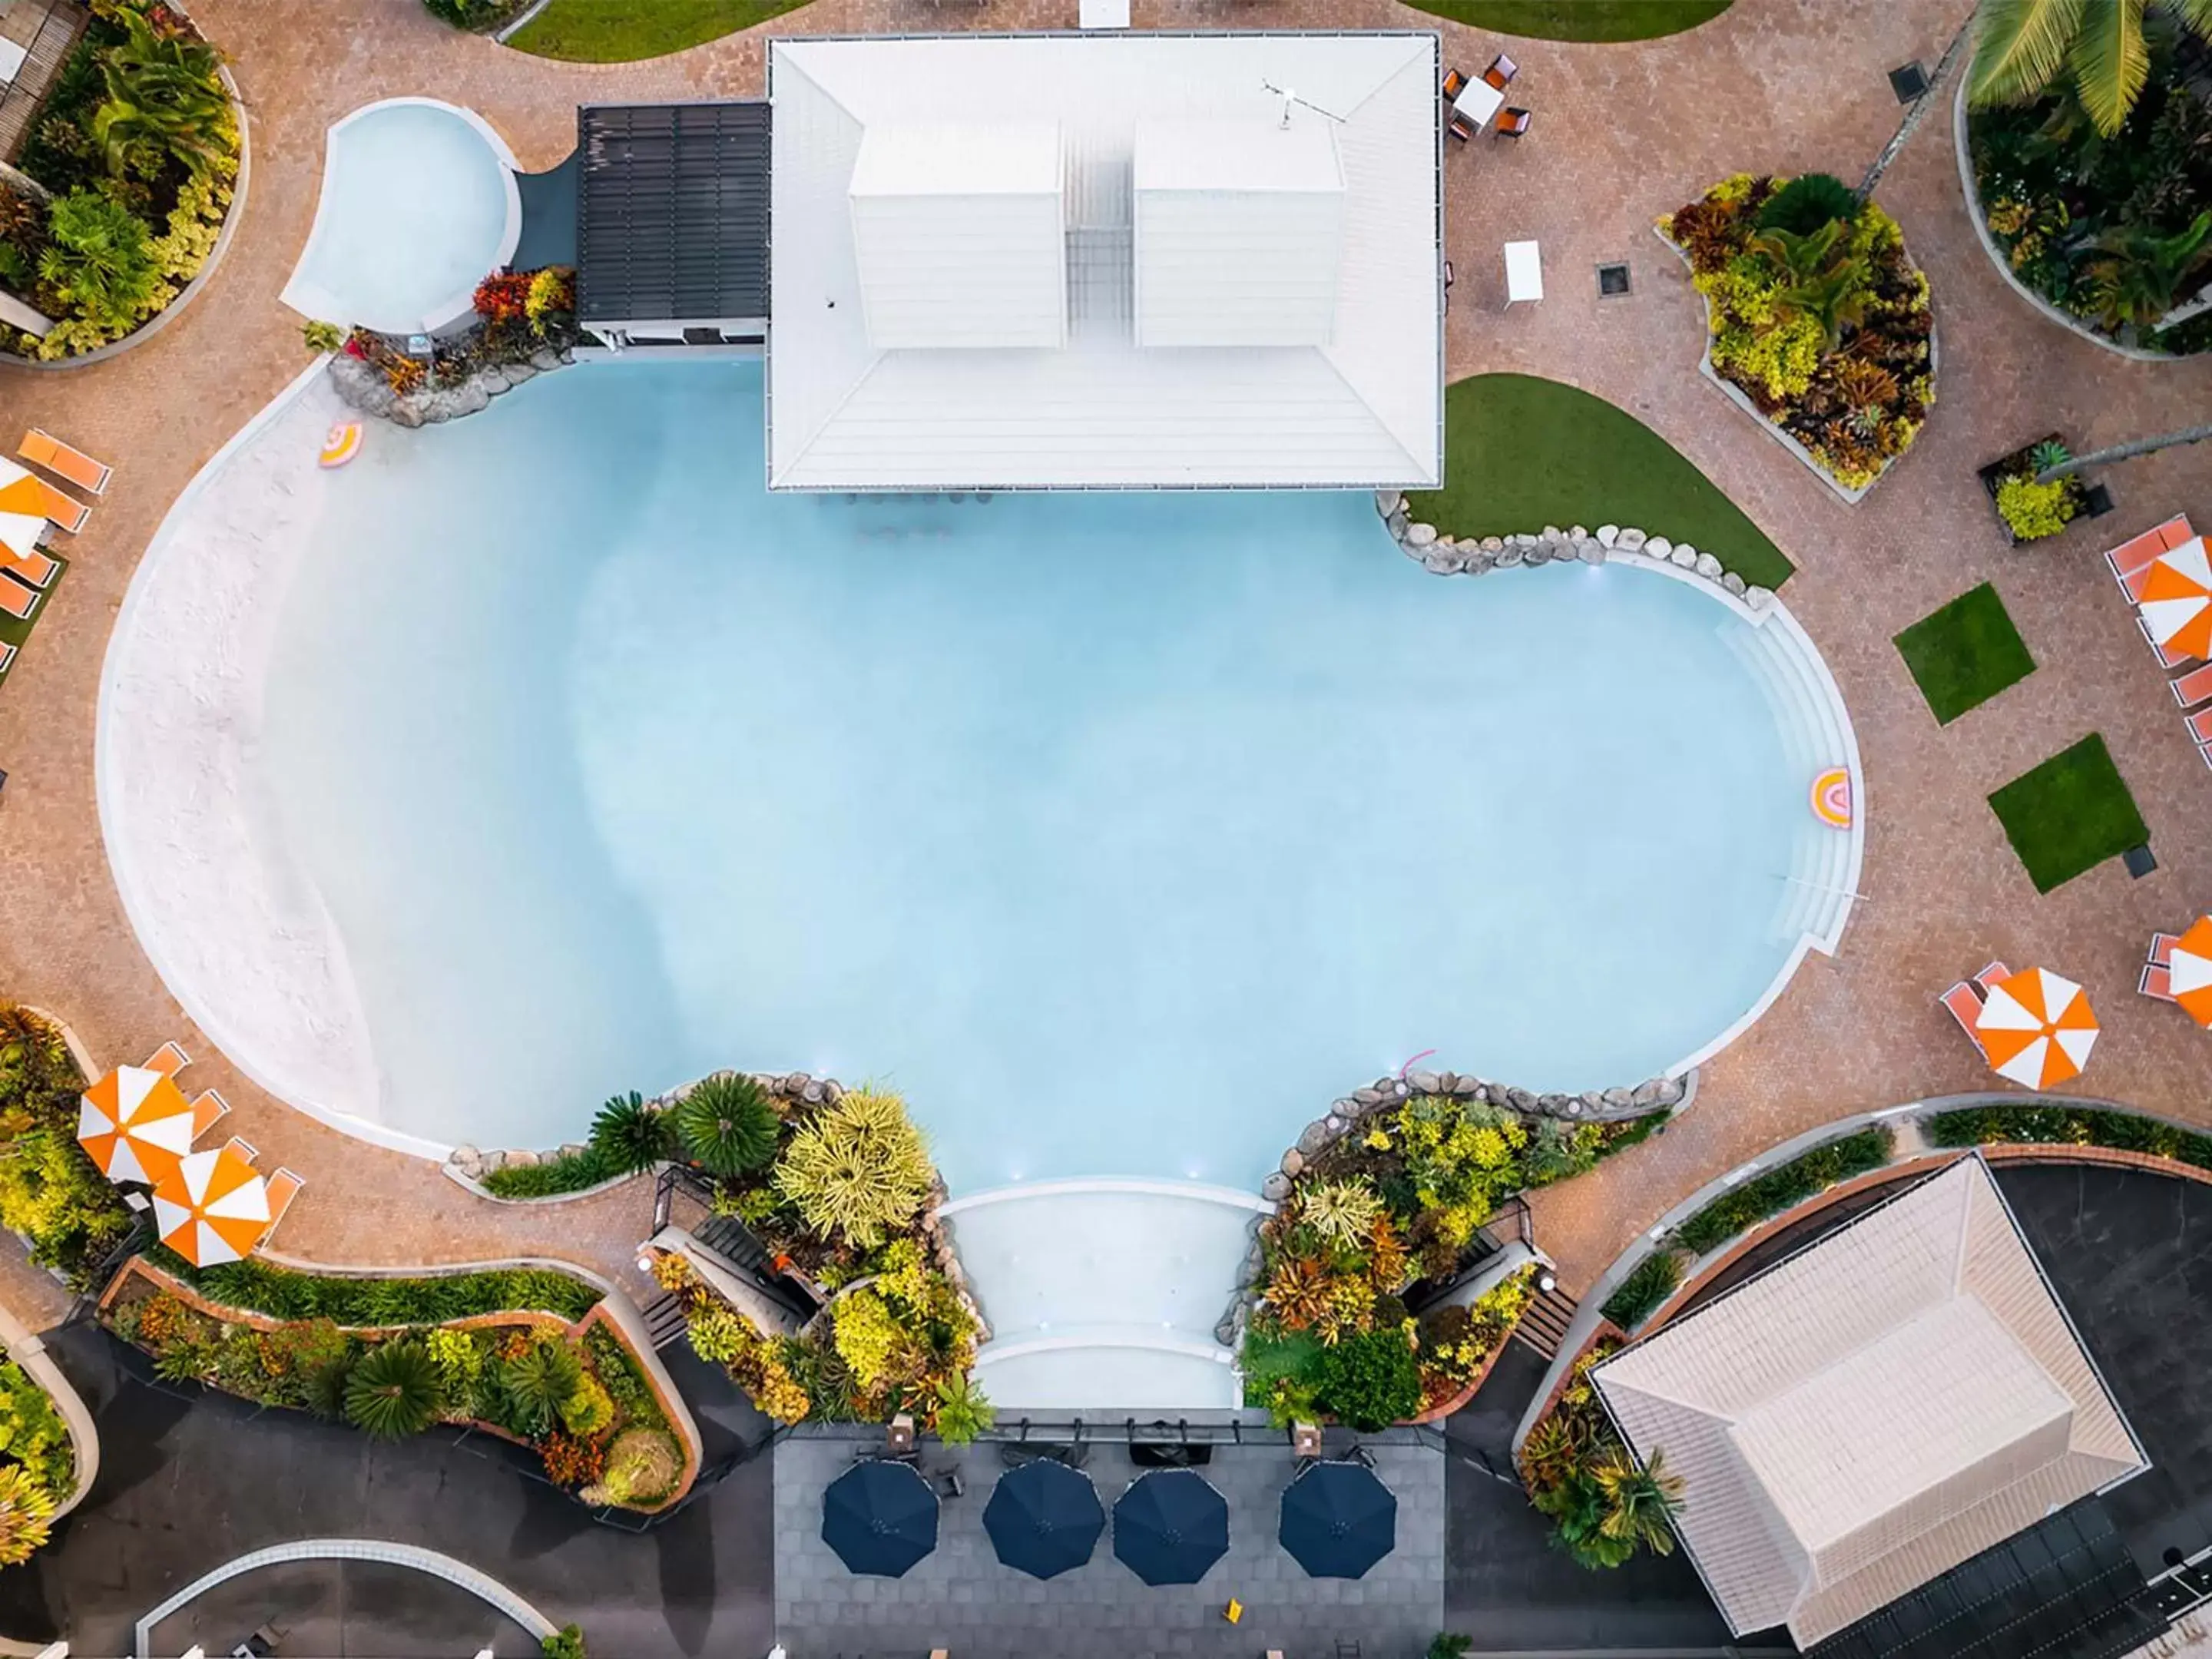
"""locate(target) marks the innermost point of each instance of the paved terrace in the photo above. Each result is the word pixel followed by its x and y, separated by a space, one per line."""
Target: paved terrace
pixel 1622 134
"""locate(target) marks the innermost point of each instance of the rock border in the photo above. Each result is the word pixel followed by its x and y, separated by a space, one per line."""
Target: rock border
pixel 361 385
pixel 1477 556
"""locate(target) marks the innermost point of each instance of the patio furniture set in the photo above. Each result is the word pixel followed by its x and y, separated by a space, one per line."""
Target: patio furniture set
pixel 2034 1028
pixel 1469 106
pixel 2164 575
pixel 30 510
pixel 211 1205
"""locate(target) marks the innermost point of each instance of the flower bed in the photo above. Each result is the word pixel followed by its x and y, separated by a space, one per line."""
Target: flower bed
pixel 138 144
pixel 2068 1125
pixel 2030 511
pixel 1818 316
pixel 38 1463
pixel 1399 1196
pixel 52 1194
pixel 527 1354
pixel 1578 1472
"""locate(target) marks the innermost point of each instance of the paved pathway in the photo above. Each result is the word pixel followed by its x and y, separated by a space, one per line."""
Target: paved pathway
pixel 1623 134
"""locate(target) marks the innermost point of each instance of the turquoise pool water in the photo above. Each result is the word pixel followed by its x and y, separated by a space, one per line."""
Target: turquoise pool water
pixel 1121 832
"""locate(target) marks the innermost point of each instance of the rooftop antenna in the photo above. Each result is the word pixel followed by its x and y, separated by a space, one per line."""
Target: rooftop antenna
pixel 1290 97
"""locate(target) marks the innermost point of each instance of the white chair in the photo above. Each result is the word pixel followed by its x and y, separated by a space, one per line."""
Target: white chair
pixel 1524 273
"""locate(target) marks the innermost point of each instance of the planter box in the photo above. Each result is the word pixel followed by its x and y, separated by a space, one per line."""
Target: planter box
pixel 2015 464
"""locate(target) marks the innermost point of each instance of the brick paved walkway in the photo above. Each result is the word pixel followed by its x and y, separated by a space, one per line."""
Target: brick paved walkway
pixel 1623 134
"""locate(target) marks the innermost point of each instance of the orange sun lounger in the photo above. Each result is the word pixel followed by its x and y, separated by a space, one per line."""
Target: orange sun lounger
pixel 2130 559
pixel 65 511
pixel 1966 1005
pixel 2192 688
pixel 42 448
pixel 32 570
pixel 17 599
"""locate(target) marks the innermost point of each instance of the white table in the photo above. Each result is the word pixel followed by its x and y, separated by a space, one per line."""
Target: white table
pixel 1524 272
pixel 1478 101
pixel 11 61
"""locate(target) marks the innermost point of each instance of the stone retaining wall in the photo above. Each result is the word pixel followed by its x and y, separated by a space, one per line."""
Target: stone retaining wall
pixel 361 385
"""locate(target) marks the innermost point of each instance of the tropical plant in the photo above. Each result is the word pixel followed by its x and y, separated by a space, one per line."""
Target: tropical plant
pixel 1449 1644
pixel 1370 1380
pixel 962 1412
pixel 2050 453
pixel 552 296
pixel 1344 1213
pixel 717 1334
pixel 570 1462
pixel 642 1465
pixel 100 258
pixel 32 1432
pixel 165 99
pixel 589 1409
pixel 394 1391
pixel 859 1167
pixel 2137 275
pixel 322 339
pixel 25 1508
pixel 2021 46
pixel 628 1134
pixel 726 1125
pixel 2032 510
pixel 1649 1283
pixel 567 1642
pixel 537 1382
pixel 476 15
pixel 1640 1503
pixel 1807 202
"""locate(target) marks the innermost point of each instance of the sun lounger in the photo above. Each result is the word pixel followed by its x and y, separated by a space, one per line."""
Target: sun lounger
pixel 43 449
pixel 7 658
pixel 2204 753
pixel 18 599
pixel 66 512
pixel 2131 557
pixel 2200 724
pixel 2161 948
pixel 1991 975
pixel 209 1109
pixel 283 1187
pixel 32 570
pixel 169 1060
pixel 2192 688
pixel 244 1148
pixel 2156 982
pixel 1966 1005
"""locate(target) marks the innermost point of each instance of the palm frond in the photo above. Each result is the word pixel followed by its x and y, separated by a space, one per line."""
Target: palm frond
pixel 2110 62
pixel 2196 14
pixel 2019 46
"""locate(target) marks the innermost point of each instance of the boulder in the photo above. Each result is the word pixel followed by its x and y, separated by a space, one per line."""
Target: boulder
pixel 1276 1188
pixel 1733 582
pixel 1467 1088
pixel 520 1159
pixel 467 1160
pixel 573 1149
pixel 1757 598
pixel 1367 1096
pixel 1645 1095
pixel 1540 554
pixel 1387 502
pixel 812 1093
pixel 1520 1099
pixel 1421 535
pixel 1426 1082
pixel 1510 557
pixel 1592 552
pixel 832 1091
pixel 1396 523
pixel 1709 567
pixel 1629 539
pixel 545 359
pixel 516 373
pixel 1552 532
pixel 1682 558
pixel 1315 1136
pixel 1440 564
pixel 1576 533
pixel 469 398
pixel 1294 1163
pixel 491 382
pixel 1493 544
pixel 1659 547
pixel 1608 533
pixel 1617 1099
pixel 1671 1091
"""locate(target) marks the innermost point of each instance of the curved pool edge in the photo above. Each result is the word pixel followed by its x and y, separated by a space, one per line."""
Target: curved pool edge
pixel 347 1019
pixel 1090 1186
pixel 317 303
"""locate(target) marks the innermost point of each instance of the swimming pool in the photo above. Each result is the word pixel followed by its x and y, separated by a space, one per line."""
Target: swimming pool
pixel 418 204
pixel 1121 832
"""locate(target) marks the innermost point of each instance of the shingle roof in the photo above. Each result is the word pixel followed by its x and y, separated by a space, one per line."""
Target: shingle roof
pixel 672 212
pixel 1870 1412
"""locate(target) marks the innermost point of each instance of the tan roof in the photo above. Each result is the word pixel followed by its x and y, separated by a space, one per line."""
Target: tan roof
pixel 1870 1412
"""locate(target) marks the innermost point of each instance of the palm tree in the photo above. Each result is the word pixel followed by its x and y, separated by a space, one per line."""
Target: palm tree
pixel 2139 275
pixel 1640 1504
pixel 726 1125
pixel 537 1383
pixel 1917 110
pixel 629 1134
pixel 165 98
pixel 395 1391
pixel 1822 278
pixel 2021 46
pixel 99 258
pixel 2126 451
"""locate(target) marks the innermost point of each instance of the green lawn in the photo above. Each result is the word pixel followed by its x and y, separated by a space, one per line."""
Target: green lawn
pixel 619 31
pixel 1578 20
pixel 1521 452
pixel 1964 653
pixel 15 632
pixel 2069 814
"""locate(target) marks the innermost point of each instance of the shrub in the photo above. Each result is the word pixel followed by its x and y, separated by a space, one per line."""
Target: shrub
pixel 717 1333
pixel 32 1433
pixel 394 1391
pixel 571 1172
pixel 2032 510
pixel 459 1357
pixel 1807 202
pixel 552 296
pixel 1370 1381
pixel 868 1338
pixel 1648 1284
pixel 260 1287
pixel 2068 1125
pixel 99 258
pixel 321 338
pixel 642 1467
pixel 628 1134
pixel 1449 1644
pixel 1736 1212
pixel 25 1507
pixel 962 1411
pixel 726 1125
pixel 859 1168
pixel 589 1409
pixel 503 297
pixel 536 1383
pixel 474 14
pixel 567 1642
pixel 570 1462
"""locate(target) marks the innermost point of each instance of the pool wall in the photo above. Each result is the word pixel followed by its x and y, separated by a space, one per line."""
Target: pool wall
pixel 313 300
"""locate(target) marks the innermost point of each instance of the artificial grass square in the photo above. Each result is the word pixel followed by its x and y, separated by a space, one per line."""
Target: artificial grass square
pixel 1964 653
pixel 2069 814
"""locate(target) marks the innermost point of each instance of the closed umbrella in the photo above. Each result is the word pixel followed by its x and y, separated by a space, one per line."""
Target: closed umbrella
pixel 136 1123
pixel 2037 1027
pixel 1170 1527
pixel 1339 1520
pixel 880 1517
pixel 1044 1518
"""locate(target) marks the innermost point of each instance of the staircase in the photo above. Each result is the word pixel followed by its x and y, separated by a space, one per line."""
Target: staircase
pixel 734 1249
pixel 1544 1324
pixel 664 1319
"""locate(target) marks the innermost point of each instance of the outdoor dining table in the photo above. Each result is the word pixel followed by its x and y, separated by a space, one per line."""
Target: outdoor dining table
pixel 1480 101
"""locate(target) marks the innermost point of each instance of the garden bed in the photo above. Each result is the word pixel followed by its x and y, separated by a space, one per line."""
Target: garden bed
pixel 1818 319
pixel 140 144
pixel 38 1473
pixel 2027 511
pixel 52 1194
pixel 395 1356
pixel 2070 1126
pixel 1575 1470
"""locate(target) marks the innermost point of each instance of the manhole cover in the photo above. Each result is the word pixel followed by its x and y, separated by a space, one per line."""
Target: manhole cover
pixel 1612 282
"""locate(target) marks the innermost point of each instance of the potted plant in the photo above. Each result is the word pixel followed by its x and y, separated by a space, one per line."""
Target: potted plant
pixel 2027 510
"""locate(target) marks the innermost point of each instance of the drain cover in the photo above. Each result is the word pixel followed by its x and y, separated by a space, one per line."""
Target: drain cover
pixel 1908 82
pixel 1612 282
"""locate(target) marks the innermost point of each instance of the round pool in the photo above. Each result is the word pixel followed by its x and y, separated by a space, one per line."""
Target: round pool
pixel 1120 832
pixel 418 205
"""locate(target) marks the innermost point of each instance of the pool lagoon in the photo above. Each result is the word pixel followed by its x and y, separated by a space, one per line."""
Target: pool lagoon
pixel 1121 832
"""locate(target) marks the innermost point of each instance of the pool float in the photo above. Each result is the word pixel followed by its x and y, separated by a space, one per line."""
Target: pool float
pixel 341 443
pixel 1831 797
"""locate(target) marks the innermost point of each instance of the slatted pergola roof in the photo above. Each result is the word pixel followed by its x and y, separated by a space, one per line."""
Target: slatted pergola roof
pixel 672 213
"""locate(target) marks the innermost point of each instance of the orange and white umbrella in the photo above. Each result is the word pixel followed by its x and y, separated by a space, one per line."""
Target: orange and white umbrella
pixel 2177 599
pixel 135 1124
pixel 213 1208
pixel 22 510
pixel 2189 970
pixel 2037 1027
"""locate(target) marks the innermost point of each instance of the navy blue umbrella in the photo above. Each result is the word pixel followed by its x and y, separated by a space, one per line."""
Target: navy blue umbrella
pixel 1339 1520
pixel 1170 1527
pixel 1044 1518
pixel 880 1517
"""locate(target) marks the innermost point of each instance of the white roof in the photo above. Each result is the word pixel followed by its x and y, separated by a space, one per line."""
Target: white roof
pixel 1870 1412
pixel 1295 272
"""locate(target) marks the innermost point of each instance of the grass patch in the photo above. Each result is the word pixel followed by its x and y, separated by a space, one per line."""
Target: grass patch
pixel 1578 20
pixel 15 632
pixel 1964 653
pixel 621 31
pixel 2069 814
pixel 1521 452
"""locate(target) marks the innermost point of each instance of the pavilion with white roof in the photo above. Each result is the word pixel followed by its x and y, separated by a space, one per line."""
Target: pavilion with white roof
pixel 1106 261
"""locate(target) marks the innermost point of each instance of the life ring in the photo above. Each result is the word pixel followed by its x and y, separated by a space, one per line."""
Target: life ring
pixel 341 443
pixel 1831 797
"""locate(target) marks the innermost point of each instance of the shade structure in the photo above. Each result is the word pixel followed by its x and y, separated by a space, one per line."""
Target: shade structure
pixel 2190 970
pixel 1339 1520
pixel 2037 1027
pixel 135 1124
pixel 2177 599
pixel 1170 1527
pixel 880 1517
pixel 22 509
pixel 1044 1518
pixel 213 1207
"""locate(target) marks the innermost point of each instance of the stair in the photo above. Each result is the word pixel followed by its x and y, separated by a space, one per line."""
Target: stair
pixel 734 1249
pixel 1543 1326
pixel 664 1319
